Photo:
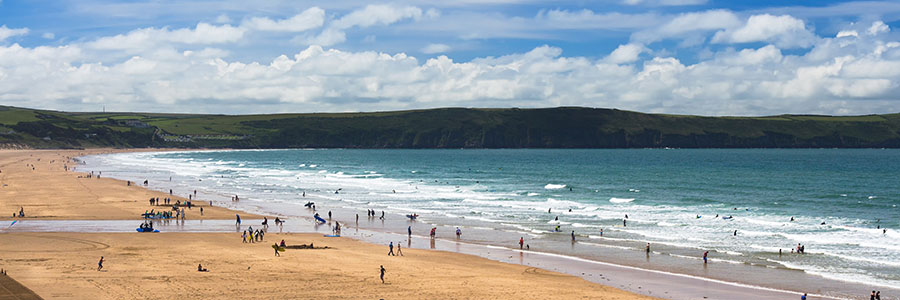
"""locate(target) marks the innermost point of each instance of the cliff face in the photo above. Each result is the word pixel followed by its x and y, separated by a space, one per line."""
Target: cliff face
pixel 564 127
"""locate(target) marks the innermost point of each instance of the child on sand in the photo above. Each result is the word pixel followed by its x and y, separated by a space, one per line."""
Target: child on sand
pixel 100 264
pixel 382 274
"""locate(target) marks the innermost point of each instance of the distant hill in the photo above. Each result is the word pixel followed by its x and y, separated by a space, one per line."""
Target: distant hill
pixel 562 127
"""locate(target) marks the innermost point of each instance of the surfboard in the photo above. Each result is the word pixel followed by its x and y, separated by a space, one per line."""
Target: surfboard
pixel 332 235
pixel 276 247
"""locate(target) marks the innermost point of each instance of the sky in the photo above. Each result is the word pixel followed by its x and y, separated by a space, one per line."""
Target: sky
pixel 702 57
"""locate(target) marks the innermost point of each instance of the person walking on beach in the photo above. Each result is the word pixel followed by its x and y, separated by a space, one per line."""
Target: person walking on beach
pixel 704 256
pixel 803 297
pixel 238 219
pixel 244 237
pixel 201 211
pixel 521 242
pixel 573 235
pixel 100 264
pixel 458 232
pixel 399 252
pixel 382 274
pixel 276 249
pixel 648 248
pixel 391 251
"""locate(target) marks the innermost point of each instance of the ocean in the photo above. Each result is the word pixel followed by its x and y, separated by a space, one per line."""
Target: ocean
pixel 742 205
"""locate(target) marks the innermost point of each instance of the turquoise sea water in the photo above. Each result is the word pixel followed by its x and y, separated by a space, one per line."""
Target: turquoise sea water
pixel 855 193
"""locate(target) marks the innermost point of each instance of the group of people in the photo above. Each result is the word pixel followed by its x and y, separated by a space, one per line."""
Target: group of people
pixel 20 214
pixel 252 236
pixel 167 201
pixel 391 250
pixel 371 213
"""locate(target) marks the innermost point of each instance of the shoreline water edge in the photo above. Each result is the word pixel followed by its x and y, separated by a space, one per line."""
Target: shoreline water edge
pixel 667 272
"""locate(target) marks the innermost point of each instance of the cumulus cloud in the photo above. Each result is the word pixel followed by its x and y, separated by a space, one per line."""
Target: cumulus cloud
pixel 371 15
pixel 6 32
pixel 831 78
pixel 784 31
pixel 435 48
pixel 627 53
pixel 311 18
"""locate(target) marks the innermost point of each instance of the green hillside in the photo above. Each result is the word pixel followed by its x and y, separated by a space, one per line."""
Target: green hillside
pixel 563 127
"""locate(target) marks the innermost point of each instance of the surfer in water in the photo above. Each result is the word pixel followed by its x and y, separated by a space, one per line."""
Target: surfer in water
pixel 624 223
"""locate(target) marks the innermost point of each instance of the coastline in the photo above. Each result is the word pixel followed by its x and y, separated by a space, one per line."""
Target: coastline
pixel 151 263
pixel 720 278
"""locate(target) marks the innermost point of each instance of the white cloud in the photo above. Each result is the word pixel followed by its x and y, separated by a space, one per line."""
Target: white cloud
pixel 435 48
pixel 6 32
pixel 627 53
pixel 784 31
pixel 689 24
pixel 855 76
pixel 48 35
pixel 878 27
pixel 309 19
pixel 846 33
pixel 147 38
pixel 368 16
pixel 377 14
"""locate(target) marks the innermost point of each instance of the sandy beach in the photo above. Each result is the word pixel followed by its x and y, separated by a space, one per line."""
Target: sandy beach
pixel 164 265
pixel 37 182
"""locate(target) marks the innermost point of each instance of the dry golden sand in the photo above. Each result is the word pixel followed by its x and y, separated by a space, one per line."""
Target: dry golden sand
pixel 50 193
pixel 164 265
